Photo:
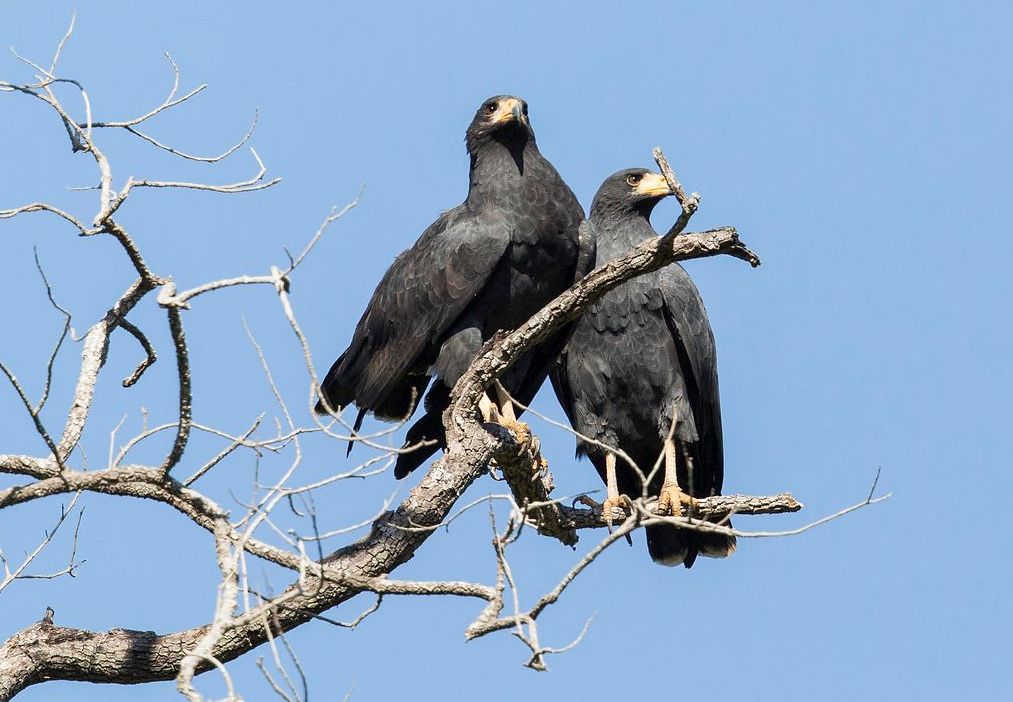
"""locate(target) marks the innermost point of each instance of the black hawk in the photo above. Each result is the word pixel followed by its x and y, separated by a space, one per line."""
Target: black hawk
pixel 640 358
pixel 486 265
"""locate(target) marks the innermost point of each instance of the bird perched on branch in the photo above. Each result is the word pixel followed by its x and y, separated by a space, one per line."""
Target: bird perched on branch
pixel 641 358
pixel 483 266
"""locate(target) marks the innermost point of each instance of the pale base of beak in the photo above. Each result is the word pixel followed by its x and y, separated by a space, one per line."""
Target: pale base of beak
pixel 654 185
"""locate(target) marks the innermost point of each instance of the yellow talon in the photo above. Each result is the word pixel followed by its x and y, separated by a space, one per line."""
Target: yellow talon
pixel 671 500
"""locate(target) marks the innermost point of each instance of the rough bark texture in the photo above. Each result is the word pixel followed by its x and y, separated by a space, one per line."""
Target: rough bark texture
pixel 42 652
pixel 709 508
pixel 47 651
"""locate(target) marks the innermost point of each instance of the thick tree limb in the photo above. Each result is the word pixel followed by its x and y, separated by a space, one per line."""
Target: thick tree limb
pixel 121 656
pixel 40 653
pixel 649 256
pixel 45 651
pixel 530 481
pixel 709 508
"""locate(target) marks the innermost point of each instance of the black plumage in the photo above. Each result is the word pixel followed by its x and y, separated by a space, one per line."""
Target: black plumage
pixel 483 266
pixel 641 355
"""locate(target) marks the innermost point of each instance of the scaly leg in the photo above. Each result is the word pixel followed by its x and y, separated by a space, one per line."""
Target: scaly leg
pixel 612 499
pixel 506 405
pixel 502 412
pixel 672 498
pixel 487 409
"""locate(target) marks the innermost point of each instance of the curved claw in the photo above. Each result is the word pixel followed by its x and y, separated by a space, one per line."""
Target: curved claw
pixel 519 429
pixel 671 500
pixel 586 501
pixel 622 502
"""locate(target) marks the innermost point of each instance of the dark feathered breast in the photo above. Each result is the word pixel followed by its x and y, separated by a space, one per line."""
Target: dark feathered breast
pixel 486 265
pixel 638 358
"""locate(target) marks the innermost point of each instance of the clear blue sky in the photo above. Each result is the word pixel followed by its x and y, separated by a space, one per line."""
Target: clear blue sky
pixel 863 150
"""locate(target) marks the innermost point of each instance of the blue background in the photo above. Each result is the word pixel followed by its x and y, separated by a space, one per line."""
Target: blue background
pixel 863 149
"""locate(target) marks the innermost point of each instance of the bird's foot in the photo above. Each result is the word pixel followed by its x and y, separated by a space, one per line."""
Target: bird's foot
pixel 607 508
pixel 529 449
pixel 542 465
pixel 519 429
pixel 527 443
pixel 521 432
pixel 671 500
pixel 621 502
pixel 532 447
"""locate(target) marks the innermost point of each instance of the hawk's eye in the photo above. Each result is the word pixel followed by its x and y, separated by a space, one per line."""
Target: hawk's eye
pixel 524 109
pixel 490 107
pixel 633 179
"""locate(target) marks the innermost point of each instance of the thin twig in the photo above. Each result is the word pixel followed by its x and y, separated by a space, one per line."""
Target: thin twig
pixel 185 393
pixel 59 342
pixel 149 352
pixel 252 184
pixel 224 453
pixel 18 573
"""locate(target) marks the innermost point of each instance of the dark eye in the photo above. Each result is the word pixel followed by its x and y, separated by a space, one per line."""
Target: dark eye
pixel 633 179
pixel 524 108
pixel 490 107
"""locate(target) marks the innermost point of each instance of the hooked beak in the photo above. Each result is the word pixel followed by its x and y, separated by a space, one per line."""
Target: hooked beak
pixel 653 185
pixel 510 110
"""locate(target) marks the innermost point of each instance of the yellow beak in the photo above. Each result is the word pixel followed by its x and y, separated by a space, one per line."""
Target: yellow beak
pixel 509 110
pixel 653 185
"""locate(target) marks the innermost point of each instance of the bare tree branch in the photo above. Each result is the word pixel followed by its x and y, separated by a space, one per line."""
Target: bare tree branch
pixel 185 392
pixel 241 621
pixel 45 207
pixel 228 592
pixel 150 355
pixel 255 182
pixel 18 573
pixel 224 453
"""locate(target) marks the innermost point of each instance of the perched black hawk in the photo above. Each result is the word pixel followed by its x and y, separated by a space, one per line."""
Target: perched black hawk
pixel 483 266
pixel 640 357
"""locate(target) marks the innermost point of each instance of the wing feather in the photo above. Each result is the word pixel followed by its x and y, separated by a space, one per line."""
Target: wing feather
pixel 420 296
pixel 687 320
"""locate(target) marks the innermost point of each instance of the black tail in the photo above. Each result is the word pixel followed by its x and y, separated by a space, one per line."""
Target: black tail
pixel 338 395
pixel 395 405
pixel 670 545
pixel 429 427
pixel 355 430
